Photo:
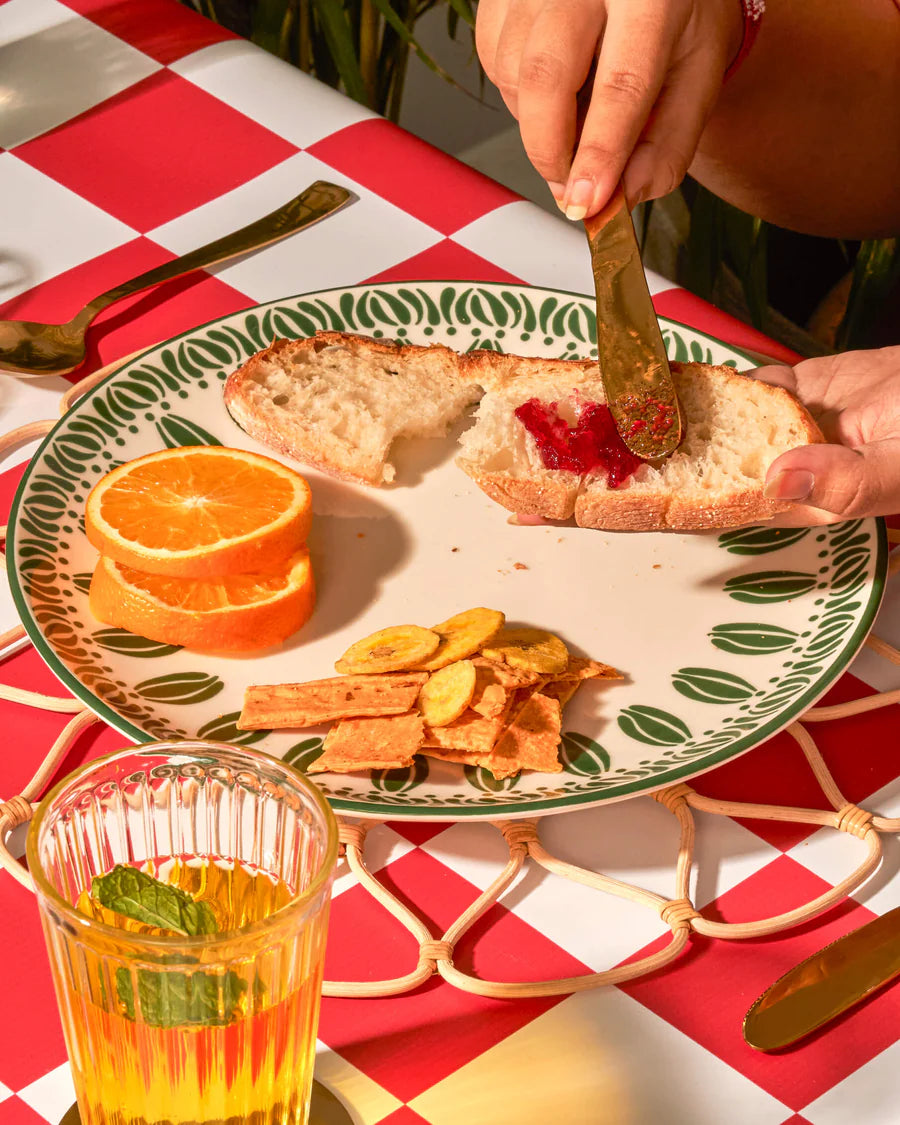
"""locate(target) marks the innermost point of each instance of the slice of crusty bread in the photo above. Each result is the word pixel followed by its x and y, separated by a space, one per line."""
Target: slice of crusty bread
pixel 735 426
pixel 337 401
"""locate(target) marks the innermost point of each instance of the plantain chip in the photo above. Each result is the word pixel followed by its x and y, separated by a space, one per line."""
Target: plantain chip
pixel 447 693
pixel 531 649
pixel 399 648
pixel 462 636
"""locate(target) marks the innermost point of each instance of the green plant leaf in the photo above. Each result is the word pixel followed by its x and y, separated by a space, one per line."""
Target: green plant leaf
pixel 169 999
pixel 137 895
pixel 875 273
pixel 703 254
pixel 332 19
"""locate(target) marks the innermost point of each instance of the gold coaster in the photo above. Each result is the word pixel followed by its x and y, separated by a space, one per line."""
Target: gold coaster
pixel 324 1109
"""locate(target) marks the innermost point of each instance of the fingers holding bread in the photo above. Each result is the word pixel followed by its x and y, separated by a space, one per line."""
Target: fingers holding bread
pixel 542 444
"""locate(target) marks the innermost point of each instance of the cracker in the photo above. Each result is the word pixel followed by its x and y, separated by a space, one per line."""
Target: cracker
pixel 491 695
pixel 561 690
pixel 275 706
pixel 583 668
pixel 530 742
pixel 459 756
pixel 471 733
pixel 505 674
pixel 383 743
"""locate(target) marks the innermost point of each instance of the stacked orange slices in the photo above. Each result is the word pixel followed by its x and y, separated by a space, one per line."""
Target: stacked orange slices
pixel 202 546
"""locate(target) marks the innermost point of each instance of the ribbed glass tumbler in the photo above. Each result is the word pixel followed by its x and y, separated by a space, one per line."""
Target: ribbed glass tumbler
pixel 184 891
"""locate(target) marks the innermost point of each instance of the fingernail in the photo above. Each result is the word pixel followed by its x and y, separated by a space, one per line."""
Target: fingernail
pixel 578 199
pixel 558 191
pixel 790 484
pixel 640 196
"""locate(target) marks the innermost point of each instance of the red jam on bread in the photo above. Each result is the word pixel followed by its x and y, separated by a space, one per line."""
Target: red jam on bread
pixel 592 444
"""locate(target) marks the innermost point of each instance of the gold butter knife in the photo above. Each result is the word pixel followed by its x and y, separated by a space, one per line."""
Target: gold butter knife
pixel 633 365
pixel 826 984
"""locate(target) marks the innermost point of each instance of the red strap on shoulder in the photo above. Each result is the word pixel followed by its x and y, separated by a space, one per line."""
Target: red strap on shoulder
pixel 753 11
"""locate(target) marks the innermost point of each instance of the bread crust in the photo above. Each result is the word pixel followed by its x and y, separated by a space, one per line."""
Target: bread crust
pixel 556 495
pixel 308 443
pixel 552 500
pixel 651 508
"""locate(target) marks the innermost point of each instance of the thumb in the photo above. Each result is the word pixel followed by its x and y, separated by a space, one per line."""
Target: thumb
pixel 840 481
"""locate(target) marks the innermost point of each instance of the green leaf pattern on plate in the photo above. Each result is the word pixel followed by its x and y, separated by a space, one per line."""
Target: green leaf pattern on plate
pixel 653 726
pixel 770 586
pixel 749 638
pixel 182 688
pixel 124 643
pixel 709 685
pixel 582 755
pixel 224 729
pixel 760 540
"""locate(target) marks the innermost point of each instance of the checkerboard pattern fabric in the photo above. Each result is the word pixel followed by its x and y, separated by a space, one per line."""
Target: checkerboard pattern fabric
pixel 135 130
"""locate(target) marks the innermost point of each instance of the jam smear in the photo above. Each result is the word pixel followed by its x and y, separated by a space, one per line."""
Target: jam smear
pixel 648 413
pixel 592 444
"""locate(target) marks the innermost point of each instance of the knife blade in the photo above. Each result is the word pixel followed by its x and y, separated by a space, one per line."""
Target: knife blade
pixel 634 368
pixel 826 984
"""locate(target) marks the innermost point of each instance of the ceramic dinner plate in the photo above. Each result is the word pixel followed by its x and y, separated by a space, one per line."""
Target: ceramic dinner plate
pixel 723 638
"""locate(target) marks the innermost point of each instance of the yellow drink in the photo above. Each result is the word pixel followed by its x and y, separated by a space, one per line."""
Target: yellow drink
pixel 212 1026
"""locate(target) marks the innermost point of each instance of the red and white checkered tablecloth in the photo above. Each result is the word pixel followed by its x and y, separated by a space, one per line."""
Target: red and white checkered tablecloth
pixel 134 130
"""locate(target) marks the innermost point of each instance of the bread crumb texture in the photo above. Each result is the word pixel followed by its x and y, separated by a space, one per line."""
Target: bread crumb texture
pixel 338 402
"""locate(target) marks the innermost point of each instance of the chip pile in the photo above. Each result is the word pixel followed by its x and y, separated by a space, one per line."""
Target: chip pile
pixel 469 690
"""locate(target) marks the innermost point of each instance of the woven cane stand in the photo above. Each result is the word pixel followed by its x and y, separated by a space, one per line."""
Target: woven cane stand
pixel 435 953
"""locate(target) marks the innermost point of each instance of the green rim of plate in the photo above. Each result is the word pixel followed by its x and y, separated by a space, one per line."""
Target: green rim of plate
pixel 397 807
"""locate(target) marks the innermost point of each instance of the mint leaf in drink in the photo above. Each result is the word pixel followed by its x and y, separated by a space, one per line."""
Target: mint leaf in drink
pixel 137 895
pixel 170 999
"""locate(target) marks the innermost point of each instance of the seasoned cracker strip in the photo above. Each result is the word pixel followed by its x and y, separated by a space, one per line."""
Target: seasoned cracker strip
pixel 470 733
pixel 530 742
pixel 491 696
pixel 275 706
pixel 583 668
pixel 388 742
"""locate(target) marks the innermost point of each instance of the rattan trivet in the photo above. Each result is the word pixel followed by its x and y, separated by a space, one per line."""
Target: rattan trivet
pixel 435 954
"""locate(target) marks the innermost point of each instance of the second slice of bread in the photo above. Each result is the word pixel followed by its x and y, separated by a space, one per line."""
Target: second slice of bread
pixel 337 401
pixel 735 426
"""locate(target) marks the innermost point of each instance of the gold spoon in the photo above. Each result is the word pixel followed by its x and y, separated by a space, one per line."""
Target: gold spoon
pixel 33 349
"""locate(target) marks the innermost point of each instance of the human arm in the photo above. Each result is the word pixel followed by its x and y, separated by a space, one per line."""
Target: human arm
pixel 805 134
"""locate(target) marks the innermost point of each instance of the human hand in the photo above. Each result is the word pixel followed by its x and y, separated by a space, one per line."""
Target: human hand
pixel 653 69
pixel 855 398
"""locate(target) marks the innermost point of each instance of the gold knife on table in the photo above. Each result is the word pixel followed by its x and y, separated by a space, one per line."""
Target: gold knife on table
pixel 633 365
pixel 826 984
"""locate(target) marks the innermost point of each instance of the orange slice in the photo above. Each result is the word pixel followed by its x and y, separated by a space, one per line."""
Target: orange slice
pixel 231 614
pixel 199 511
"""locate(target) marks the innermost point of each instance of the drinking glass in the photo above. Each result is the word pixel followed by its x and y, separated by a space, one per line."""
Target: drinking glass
pixel 178 1027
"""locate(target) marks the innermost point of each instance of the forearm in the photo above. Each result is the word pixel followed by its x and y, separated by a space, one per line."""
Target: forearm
pixel 807 133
